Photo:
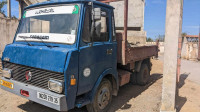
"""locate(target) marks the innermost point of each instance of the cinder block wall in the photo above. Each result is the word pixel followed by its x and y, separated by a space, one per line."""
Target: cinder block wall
pixel 135 14
pixel 190 51
pixel 161 46
pixel 135 19
pixel 7 31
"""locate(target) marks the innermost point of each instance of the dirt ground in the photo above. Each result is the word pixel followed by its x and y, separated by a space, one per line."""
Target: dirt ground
pixel 131 98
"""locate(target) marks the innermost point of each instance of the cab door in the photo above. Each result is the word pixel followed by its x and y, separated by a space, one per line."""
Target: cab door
pixel 97 52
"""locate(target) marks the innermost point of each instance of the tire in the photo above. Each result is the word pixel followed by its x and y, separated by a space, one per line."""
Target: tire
pixel 133 78
pixel 143 75
pixel 102 99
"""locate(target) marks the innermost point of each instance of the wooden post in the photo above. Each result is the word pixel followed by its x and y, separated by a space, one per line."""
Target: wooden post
pixel 124 40
pixel 173 31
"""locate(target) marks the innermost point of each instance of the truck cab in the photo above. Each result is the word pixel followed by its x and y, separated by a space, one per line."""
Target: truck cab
pixel 61 53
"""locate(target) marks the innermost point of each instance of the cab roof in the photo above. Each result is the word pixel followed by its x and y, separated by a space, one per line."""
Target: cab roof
pixel 54 2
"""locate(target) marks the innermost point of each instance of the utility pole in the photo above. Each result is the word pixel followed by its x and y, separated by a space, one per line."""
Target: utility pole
pixel 173 29
pixel 8 9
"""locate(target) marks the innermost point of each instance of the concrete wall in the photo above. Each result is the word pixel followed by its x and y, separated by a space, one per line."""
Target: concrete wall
pixel 135 14
pixel 190 51
pixel 135 37
pixel 135 19
pixel 7 31
pixel 161 46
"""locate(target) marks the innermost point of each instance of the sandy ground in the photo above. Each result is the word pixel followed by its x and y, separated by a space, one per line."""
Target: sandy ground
pixel 131 98
pixel 190 68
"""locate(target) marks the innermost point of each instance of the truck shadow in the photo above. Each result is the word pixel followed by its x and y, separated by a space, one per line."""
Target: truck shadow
pixel 126 93
pixel 129 91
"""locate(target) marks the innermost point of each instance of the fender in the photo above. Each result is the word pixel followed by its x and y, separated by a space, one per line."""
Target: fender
pixel 71 68
pixel 105 73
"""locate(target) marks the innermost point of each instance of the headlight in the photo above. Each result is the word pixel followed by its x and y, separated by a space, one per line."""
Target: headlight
pixel 7 73
pixel 55 85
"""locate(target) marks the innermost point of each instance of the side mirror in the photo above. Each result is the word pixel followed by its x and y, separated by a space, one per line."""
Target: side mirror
pixel 97 14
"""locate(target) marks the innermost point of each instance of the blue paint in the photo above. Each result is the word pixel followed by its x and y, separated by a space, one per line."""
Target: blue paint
pixel 52 59
pixel 71 59
pixel 71 69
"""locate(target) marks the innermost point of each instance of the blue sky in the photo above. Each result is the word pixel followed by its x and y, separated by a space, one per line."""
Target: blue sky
pixel 14 8
pixel 155 11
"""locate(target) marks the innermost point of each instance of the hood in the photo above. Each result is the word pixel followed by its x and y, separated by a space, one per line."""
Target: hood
pixel 42 57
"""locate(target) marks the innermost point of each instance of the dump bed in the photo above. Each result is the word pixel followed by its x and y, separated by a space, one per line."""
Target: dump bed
pixel 132 53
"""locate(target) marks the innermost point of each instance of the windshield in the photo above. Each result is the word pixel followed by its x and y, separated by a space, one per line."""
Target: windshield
pixel 56 24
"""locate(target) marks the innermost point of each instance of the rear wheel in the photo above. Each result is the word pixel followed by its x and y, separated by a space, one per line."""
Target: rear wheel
pixel 143 75
pixel 102 98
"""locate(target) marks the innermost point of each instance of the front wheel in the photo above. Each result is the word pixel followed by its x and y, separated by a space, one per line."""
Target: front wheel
pixel 103 98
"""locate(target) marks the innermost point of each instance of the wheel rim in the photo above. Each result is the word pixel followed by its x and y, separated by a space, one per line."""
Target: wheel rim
pixel 103 97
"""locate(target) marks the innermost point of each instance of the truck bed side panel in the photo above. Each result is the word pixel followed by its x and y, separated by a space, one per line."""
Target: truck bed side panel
pixel 134 53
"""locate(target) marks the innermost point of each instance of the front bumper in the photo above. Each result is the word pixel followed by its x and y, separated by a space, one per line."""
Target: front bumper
pixel 33 94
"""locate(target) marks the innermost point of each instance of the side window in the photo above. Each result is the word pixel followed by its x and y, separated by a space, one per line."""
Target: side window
pixel 87 25
pixel 104 28
pixel 101 33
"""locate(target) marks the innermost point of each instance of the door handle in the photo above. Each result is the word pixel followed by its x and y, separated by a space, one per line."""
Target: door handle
pixel 109 51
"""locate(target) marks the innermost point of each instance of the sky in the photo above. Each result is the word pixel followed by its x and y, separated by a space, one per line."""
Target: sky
pixel 14 8
pixel 155 13
pixel 154 20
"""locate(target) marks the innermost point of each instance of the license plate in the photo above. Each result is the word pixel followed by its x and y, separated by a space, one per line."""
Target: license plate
pixel 7 84
pixel 48 98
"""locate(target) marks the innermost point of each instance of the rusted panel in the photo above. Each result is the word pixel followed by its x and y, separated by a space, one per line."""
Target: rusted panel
pixel 133 54
pixel 125 19
pixel 124 77
pixel 124 41
pixel 139 53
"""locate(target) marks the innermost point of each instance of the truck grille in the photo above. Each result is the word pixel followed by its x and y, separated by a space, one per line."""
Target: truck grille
pixel 39 78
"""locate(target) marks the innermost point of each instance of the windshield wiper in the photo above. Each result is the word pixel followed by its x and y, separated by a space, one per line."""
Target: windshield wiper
pixel 38 38
pixel 46 44
pixel 26 40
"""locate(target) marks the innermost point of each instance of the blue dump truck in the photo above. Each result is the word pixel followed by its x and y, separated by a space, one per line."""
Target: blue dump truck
pixel 67 54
